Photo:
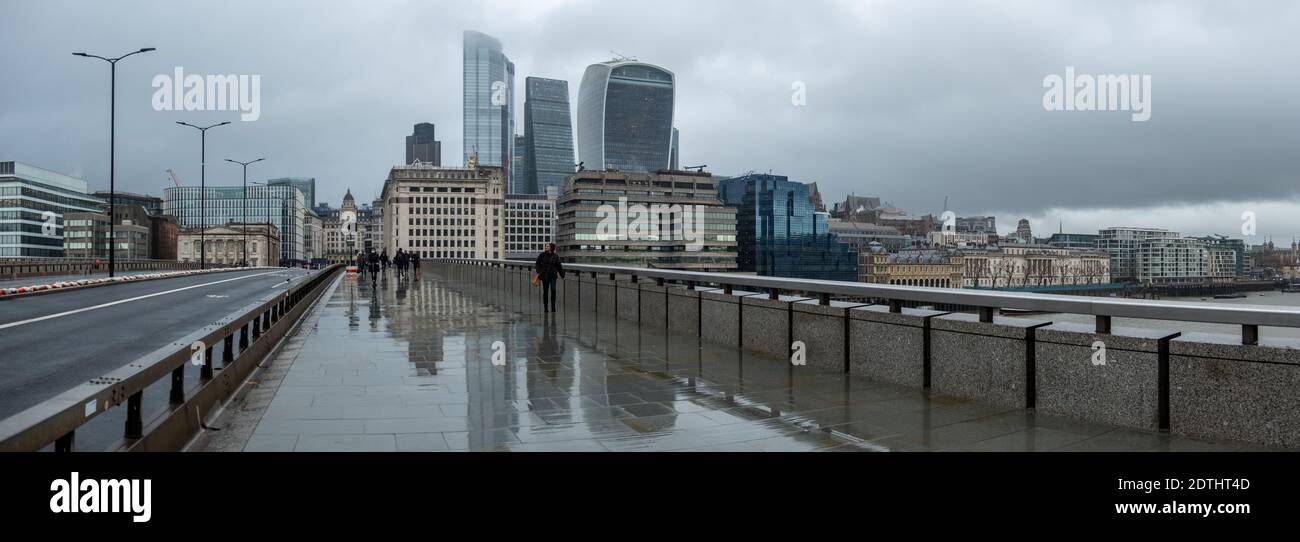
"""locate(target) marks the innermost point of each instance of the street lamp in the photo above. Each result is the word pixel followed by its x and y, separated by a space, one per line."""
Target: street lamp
pixel 243 251
pixel 112 143
pixel 203 188
pixel 268 222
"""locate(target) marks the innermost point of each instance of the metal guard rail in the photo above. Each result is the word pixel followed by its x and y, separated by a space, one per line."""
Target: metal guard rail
pixel 1249 317
pixel 57 419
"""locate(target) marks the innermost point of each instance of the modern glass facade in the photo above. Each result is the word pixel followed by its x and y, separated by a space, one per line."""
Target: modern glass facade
pixel 33 204
pixel 779 232
pixel 284 205
pixel 306 185
pixel 625 116
pixel 548 134
pixel 489 101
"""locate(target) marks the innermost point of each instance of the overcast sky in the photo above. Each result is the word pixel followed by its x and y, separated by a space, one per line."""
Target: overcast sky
pixel 908 100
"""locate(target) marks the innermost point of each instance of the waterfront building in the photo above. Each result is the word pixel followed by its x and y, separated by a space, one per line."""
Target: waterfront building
pixel 779 232
pixel 931 267
pixel 679 222
pixel 1030 265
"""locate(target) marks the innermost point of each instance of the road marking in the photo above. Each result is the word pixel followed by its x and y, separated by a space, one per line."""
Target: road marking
pixel 119 302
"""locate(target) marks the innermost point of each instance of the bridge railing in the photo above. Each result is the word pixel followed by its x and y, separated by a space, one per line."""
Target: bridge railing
pixel 1157 377
pixel 245 336
pixel 23 268
pixel 1249 317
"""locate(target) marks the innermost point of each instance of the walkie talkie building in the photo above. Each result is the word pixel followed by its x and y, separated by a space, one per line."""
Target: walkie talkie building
pixel 625 116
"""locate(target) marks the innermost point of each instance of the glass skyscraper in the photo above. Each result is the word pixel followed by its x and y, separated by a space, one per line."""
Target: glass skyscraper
pixel 625 116
pixel 548 135
pixel 779 232
pixel 422 145
pixel 284 205
pixel 489 102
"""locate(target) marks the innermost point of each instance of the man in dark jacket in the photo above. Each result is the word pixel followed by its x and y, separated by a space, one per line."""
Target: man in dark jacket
pixel 548 268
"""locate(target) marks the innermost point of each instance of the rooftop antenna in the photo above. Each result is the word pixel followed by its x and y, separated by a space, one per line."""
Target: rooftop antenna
pixel 621 58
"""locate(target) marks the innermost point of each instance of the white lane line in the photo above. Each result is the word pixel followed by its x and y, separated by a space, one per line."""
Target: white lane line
pixel 110 304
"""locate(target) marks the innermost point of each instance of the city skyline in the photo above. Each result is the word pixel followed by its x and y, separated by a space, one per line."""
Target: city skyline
pixel 977 134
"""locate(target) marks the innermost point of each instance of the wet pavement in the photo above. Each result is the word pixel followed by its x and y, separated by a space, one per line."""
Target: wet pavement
pixel 407 365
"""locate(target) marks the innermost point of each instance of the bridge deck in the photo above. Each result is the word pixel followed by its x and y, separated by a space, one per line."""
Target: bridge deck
pixel 407 366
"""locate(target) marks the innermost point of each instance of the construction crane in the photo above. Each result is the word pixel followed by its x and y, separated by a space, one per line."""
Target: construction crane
pixel 175 181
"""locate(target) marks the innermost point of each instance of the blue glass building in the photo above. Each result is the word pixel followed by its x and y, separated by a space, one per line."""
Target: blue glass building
pixel 779 232
pixel 548 135
pixel 625 116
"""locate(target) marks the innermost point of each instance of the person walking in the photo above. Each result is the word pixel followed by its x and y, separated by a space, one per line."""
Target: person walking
pixel 399 262
pixel 415 263
pixel 383 260
pixel 548 268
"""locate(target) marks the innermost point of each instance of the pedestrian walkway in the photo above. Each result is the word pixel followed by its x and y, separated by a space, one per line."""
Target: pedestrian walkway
pixel 408 365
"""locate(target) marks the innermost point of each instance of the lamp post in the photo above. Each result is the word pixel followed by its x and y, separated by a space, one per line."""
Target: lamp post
pixel 268 223
pixel 112 148
pixel 203 188
pixel 243 251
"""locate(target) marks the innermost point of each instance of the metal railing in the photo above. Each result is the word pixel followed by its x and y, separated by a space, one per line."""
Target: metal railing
pixel 255 329
pixel 1249 317
pixel 23 268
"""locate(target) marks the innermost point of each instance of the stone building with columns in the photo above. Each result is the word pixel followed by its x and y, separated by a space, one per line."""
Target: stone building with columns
pixel 224 245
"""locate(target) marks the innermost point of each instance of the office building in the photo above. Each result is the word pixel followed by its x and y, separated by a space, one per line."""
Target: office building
pixel 33 205
pixel 422 146
pixel 445 212
pixel 529 221
pixel 519 166
pixel 283 205
pixel 548 135
pixel 1077 241
pixel 145 210
pixel 625 116
pixel 306 185
pixel 976 224
pixel 488 103
pixel 663 220
pixel 674 154
pixel 86 236
pixel 779 232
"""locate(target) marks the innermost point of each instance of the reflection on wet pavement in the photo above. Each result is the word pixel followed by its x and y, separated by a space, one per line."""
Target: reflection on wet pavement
pixel 407 365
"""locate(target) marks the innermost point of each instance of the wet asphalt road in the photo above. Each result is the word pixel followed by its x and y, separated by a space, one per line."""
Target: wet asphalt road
pixel 40 358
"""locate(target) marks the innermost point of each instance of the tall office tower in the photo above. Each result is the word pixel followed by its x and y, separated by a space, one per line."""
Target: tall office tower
pixel 519 166
pixel 489 102
pixel 423 146
pixel 625 116
pixel 549 134
pixel 674 155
